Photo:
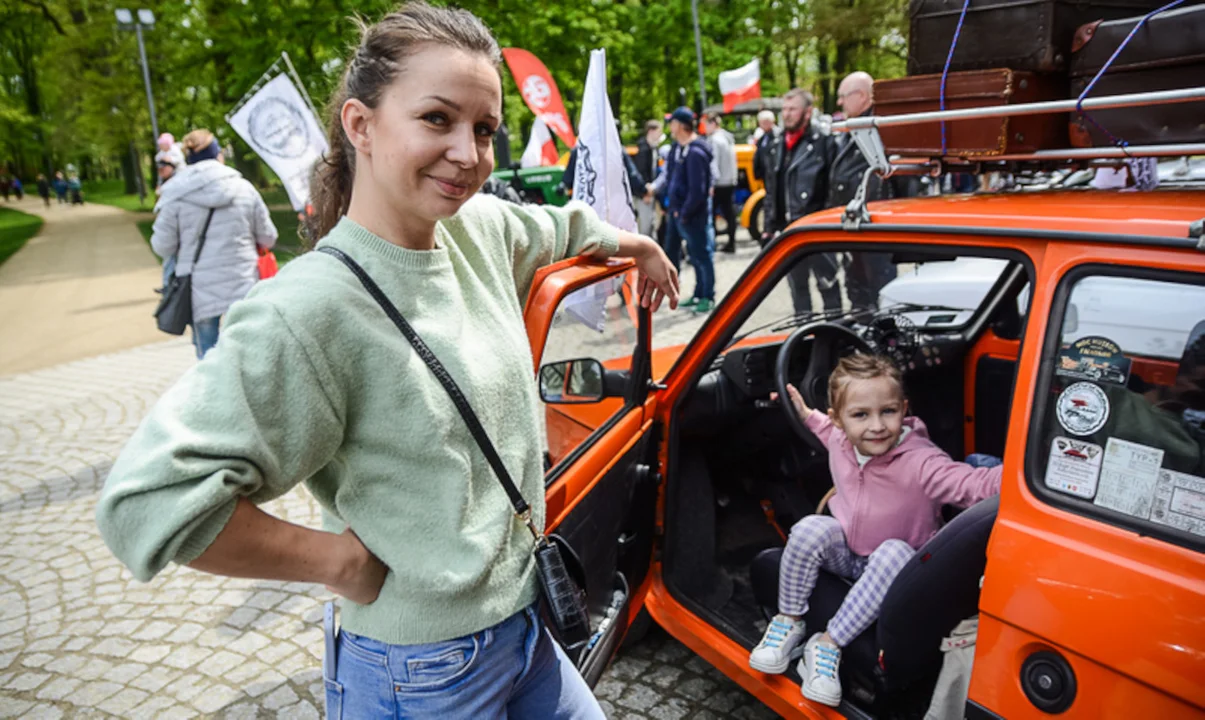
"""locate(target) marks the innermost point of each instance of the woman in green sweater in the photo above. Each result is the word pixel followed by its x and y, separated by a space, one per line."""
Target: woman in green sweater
pixel 312 382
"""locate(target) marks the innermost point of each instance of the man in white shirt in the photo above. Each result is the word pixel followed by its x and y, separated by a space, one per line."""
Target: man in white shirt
pixel 723 147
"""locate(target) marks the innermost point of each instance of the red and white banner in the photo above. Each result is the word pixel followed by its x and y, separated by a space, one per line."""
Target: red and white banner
pixel 541 148
pixel 540 92
pixel 741 85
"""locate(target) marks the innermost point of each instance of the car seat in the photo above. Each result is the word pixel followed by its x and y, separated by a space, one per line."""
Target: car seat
pixel 936 589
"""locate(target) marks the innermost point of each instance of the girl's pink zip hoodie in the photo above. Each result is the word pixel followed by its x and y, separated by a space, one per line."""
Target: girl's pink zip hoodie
pixel 897 495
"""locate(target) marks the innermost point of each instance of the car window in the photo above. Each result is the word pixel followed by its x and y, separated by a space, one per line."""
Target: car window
pixel 1122 412
pixel 939 293
pixel 597 322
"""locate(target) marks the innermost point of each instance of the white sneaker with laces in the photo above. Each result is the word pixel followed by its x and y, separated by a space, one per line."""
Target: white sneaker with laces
pixel 777 647
pixel 819 670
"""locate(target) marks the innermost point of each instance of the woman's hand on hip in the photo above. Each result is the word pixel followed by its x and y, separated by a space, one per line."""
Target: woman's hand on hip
pixel 359 574
pixel 657 277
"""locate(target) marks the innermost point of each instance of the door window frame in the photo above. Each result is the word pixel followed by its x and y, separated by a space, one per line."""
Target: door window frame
pixel 639 373
pixel 1036 440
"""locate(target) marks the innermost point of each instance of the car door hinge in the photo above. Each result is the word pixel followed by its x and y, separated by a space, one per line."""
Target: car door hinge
pixel 654 385
pixel 1196 231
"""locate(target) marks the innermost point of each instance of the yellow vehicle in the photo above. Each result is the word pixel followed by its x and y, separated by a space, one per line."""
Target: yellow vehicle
pixel 752 218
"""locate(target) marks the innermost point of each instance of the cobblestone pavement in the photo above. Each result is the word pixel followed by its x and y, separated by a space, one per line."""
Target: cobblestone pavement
pixel 80 638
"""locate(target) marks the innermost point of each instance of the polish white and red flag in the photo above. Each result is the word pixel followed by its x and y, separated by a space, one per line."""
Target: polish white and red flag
pixel 741 85
pixel 541 149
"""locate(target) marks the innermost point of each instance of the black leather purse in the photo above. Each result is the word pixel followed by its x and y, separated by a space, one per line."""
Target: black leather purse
pixel 174 313
pixel 564 599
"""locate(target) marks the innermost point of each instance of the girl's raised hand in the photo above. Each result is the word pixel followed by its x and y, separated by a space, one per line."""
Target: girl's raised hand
pixel 797 400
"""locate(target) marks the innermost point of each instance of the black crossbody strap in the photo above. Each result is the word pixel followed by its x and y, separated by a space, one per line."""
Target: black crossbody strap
pixel 445 379
pixel 201 242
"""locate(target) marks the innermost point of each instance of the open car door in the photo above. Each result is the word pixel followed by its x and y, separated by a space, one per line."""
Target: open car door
pixel 602 485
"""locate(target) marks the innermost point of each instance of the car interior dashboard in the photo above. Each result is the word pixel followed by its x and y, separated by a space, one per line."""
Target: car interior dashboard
pixel 742 379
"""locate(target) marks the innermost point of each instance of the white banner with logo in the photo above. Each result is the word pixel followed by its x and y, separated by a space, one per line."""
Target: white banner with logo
pixel 277 123
pixel 601 180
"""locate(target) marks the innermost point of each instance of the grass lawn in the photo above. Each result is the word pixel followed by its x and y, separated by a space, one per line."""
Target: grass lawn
pixel 15 228
pixel 112 192
pixel 288 246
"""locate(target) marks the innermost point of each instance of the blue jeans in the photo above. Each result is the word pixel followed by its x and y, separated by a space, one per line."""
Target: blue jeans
pixel 983 460
pixel 700 244
pixel 513 669
pixel 205 335
pixel 673 240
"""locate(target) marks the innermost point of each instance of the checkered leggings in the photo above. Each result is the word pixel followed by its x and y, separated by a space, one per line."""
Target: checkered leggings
pixel 817 541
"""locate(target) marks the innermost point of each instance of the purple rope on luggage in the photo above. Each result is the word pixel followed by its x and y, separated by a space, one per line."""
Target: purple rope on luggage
pixel 1079 106
pixel 945 71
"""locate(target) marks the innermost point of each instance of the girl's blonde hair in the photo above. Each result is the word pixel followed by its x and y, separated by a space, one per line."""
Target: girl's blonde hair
pixel 860 366
pixel 380 56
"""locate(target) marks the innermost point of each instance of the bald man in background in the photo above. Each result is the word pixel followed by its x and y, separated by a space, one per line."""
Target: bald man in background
pixel 855 95
pixel 867 272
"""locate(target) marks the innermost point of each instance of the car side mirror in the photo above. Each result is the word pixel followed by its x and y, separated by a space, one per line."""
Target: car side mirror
pixel 572 382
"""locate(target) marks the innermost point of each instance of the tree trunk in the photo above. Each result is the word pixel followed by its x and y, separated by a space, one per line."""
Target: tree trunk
pixel 827 101
pixel 129 173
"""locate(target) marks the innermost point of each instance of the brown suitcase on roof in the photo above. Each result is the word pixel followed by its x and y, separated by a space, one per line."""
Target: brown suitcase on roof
pixel 1168 53
pixel 1031 35
pixel 972 138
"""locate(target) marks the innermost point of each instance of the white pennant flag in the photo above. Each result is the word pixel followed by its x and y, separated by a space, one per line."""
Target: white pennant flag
pixel 278 125
pixel 600 178
pixel 541 150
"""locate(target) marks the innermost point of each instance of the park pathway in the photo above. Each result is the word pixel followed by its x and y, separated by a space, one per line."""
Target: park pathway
pixel 83 286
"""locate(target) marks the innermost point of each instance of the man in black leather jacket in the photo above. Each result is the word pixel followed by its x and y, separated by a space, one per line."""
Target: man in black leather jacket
pixel 797 167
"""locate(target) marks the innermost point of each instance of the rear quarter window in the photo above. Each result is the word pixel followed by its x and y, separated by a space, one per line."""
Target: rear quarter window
pixel 1119 430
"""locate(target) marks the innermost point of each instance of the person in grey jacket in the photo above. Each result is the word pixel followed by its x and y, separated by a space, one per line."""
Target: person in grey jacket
pixel 724 147
pixel 227 267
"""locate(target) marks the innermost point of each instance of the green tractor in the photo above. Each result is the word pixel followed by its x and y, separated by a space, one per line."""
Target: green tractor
pixel 537 185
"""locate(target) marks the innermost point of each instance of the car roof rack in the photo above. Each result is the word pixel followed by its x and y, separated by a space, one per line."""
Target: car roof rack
pixel 865 132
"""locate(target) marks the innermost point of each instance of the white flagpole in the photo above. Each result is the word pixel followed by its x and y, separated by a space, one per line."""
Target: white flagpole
pixel 301 86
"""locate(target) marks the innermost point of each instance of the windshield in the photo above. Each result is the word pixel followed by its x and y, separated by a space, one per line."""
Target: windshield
pixel 933 291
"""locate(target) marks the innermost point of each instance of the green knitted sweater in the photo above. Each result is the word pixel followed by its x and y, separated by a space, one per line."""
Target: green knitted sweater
pixel 312 382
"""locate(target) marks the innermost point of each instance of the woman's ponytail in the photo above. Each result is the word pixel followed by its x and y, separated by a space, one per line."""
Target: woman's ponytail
pixel 334 173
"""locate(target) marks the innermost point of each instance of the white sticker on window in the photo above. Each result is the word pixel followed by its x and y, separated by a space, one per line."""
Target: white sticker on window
pixel 1127 477
pixel 1180 501
pixel 1082 408
pixel 1074 467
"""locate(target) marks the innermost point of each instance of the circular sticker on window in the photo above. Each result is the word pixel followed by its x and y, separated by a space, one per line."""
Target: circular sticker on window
pixel 1083 408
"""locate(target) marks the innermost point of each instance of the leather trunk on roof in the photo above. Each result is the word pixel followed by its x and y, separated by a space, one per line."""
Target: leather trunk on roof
pixel 972 138
pixel 1033 35
pixel 1168 53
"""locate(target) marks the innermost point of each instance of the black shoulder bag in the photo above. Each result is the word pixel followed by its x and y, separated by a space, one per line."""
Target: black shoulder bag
pixel 564 600
pixel 174 313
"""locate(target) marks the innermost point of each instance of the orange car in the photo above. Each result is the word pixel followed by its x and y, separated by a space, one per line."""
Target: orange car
pixel 674 475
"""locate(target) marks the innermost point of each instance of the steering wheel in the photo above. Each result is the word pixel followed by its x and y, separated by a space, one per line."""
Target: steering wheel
pixel 828 342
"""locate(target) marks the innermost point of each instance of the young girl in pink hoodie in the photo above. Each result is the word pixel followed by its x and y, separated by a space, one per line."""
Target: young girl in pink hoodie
pixel 891 482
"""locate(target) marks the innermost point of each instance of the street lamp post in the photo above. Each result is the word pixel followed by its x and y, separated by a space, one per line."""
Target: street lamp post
pixel 127 21
pixel 694 9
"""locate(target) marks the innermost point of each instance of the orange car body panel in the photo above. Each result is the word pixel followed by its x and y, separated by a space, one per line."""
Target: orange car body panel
pixel 1127 612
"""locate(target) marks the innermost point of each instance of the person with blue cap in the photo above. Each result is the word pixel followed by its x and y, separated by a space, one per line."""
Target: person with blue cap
pixel 688 183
